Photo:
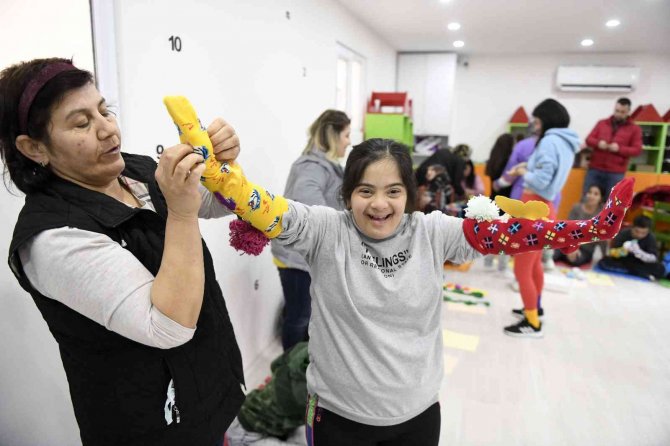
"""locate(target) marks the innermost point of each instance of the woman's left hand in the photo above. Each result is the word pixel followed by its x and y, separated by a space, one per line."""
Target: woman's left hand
pixel 225 141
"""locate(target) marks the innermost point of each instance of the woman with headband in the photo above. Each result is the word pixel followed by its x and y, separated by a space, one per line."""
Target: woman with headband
pixel 108 246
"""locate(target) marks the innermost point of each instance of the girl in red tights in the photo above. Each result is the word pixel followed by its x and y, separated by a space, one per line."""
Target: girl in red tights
pixel 544 176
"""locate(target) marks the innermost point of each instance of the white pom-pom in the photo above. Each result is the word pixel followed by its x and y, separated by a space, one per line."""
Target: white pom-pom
pixel 482 208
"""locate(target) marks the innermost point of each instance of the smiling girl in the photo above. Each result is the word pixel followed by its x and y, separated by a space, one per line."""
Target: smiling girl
pixel 377 270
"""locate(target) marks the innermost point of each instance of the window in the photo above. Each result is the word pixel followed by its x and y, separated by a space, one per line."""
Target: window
pixel 350 88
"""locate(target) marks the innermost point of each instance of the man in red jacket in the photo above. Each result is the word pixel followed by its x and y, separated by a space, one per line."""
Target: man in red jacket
pixel 614 141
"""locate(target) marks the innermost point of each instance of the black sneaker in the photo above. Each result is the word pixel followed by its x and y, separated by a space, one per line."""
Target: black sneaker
pixel 518 312
pixel 523 329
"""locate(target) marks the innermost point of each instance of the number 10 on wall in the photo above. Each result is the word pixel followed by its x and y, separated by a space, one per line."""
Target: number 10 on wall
pixel 175 41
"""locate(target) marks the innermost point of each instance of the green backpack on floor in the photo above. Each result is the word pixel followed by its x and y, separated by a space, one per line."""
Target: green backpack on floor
pixel 278 407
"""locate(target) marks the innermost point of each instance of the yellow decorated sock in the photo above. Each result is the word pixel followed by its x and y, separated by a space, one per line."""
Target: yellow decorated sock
pixel 532 317
pixel 249 201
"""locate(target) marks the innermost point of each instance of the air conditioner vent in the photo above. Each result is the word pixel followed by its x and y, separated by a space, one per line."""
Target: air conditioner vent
pixel 597 78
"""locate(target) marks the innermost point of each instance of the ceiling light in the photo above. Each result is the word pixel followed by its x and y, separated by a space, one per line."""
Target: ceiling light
pixel 612 23
pixel 587 42
pixel 459 44
pixel 454 26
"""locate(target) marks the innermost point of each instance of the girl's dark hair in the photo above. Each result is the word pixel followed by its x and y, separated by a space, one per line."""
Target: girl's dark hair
pixel 470 179
pixel 500 153
pixel 27 175
pixel 374 150
pixel 438 168
pixel 553 116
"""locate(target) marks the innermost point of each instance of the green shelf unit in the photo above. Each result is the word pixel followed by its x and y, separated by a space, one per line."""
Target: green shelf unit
pixel 514 128
pixel 653 149
pixel 398 127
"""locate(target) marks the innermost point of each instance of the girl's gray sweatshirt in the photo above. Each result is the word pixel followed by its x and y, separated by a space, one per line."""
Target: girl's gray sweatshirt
pixel 375 333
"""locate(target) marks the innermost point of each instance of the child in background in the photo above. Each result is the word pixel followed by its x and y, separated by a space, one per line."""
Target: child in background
pixel 635 251
pixel 543 178
pixel 375 349
pixel 472 186
pixel 439 191
pixel 590 205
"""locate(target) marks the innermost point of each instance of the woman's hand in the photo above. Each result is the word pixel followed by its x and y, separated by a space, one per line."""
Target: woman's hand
pixel 517 170
pixel 178 176
pixel 574 256
pixel 225 141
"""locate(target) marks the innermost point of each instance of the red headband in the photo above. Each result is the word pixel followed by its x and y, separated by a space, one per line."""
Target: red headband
pixel 34 86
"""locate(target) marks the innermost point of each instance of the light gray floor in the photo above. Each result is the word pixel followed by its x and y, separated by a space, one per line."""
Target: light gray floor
pixel 600 375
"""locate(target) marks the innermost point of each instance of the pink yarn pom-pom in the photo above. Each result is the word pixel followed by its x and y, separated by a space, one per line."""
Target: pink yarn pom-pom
pixel 246 238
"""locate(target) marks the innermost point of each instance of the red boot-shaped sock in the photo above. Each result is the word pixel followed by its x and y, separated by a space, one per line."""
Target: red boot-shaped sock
pixel 517 235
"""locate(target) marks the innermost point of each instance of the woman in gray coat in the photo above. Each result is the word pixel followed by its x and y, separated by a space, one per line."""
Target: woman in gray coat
pixel 315 179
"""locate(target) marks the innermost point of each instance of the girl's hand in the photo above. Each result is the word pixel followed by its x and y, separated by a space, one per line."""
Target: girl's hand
pixel 178 176
pixel 225 141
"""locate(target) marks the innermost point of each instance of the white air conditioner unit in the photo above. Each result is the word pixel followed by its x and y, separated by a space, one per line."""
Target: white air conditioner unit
pixel 597 78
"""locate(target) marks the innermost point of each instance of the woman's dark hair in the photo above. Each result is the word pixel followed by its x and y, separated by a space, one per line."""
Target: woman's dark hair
pixel 27 175
pixel 371 151
pixel 470 179
pixel 500 153
pixel 600 189
pixel 553 116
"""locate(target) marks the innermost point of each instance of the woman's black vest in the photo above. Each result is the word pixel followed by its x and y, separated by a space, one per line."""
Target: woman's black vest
pixel 118 386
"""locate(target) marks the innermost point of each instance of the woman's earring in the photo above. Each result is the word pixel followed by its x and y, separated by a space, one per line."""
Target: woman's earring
pixel 43 164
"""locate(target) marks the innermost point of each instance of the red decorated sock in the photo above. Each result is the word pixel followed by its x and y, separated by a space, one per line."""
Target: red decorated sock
pixel 517 235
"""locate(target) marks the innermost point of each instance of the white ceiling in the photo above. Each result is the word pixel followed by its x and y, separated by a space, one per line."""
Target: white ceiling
pixel 518 26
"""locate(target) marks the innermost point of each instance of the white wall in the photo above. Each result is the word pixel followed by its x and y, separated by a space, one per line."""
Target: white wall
pixel 490 89
pixel 35 405
pixel 245 61
pixel 429 79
